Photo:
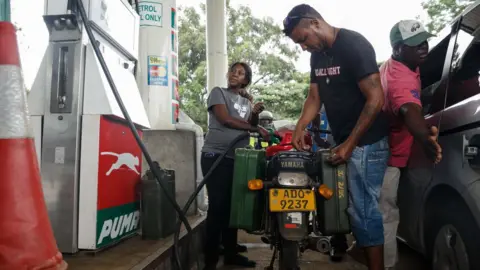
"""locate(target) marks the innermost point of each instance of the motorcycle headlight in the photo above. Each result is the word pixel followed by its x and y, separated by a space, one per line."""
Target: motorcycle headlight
pixel 293 179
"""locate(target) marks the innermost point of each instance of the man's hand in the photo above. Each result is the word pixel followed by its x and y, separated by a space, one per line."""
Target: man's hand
pixel 342 153
pixel 298 139
pixel 412 115
pixel 431 146
pixel 258 108
pixel 310 110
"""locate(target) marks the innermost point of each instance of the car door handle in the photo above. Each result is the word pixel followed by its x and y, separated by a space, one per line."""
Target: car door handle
pixel 471 151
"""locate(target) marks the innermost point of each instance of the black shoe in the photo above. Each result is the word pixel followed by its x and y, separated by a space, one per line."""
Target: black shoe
pixel 240 249
pixel 339 248
pixel 339 243
pixel 239 260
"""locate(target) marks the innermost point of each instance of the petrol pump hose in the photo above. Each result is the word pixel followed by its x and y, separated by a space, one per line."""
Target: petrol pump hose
pixel 155 170
pixel 199 188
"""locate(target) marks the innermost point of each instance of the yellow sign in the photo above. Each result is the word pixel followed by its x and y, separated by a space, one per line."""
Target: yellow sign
pixel 341 189
pixel 292 200
pixel 155 60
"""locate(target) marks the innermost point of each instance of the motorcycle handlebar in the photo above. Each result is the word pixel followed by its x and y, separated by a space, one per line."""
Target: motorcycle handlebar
pixel 316 130
pixel 257 135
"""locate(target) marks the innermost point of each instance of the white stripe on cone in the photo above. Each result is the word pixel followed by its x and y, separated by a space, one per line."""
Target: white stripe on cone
pixel 14 119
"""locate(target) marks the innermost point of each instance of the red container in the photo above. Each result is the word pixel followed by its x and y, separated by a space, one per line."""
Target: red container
pixel 286 143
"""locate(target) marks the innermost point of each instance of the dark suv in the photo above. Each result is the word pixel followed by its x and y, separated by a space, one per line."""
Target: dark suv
pixel 440 205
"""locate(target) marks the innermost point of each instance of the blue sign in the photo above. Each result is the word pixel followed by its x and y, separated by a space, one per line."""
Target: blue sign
pixel 323 125
pixel 158 70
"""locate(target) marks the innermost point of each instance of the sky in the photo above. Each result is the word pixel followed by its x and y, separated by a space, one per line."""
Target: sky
pixel 372 18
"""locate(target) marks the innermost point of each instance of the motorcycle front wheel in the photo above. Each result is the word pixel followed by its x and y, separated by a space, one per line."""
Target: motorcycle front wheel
pixel 288 259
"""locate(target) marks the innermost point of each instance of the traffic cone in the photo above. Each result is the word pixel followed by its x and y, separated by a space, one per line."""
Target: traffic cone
pixel 26 236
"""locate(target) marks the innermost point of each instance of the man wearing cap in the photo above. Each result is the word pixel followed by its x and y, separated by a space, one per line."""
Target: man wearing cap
pixel 400 79
pixel 345 78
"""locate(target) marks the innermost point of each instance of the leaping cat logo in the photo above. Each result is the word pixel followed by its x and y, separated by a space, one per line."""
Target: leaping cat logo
pixel 126 159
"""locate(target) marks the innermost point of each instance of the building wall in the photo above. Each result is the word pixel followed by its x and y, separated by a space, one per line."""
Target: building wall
pixel 174 149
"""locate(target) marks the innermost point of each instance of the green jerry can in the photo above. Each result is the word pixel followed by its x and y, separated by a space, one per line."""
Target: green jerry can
pixel 156 210
pixel 247 208
pixel 332 214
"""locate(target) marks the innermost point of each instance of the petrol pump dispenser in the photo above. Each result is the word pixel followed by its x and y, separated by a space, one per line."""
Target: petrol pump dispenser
pixel 90 162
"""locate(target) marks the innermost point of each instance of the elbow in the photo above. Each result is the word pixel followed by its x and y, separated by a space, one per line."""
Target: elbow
pixel 376 103
pixel 229 122
pixel 225 122
pixel 312 100
pixel 222 120
pixel 381 102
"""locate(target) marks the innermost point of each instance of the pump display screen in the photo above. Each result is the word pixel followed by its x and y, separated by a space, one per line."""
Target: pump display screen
pixel 117 19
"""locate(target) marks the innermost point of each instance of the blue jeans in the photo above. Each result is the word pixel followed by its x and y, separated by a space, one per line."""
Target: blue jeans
pixel 366 170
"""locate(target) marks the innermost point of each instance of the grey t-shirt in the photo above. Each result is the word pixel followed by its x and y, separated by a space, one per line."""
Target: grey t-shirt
pixel 219 136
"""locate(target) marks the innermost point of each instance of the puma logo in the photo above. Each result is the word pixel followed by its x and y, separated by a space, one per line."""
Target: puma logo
pixel 126 159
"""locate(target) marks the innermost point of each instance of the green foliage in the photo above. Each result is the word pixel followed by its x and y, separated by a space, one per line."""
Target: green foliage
pixel 441 12
pixel 256 41
pixel 284 100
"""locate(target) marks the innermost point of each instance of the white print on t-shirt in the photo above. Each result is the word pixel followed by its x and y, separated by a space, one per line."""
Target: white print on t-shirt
pixel 331 71
pixel 242 110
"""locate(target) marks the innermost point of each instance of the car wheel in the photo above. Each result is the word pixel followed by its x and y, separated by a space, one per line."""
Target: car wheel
pixel 453 241
pixel 449 251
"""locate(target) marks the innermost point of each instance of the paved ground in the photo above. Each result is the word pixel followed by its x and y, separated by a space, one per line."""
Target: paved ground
pixel 409 260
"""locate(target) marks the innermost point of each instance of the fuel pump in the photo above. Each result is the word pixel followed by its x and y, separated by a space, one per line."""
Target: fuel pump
pixel 87 118
pixel 89 160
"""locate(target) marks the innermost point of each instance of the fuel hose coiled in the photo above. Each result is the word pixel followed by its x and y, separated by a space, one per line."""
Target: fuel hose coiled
pixel 154 169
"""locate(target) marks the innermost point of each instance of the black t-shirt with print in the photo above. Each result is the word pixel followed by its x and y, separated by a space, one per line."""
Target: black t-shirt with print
pixel 337 72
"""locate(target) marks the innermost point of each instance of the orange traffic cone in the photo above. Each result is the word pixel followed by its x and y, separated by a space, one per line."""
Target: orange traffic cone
pixel 26 236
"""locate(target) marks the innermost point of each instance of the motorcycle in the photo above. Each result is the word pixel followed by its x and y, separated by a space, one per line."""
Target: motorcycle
pixel 294 194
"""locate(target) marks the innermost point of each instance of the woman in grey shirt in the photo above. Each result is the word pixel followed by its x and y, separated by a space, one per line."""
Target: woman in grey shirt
pixel 230 114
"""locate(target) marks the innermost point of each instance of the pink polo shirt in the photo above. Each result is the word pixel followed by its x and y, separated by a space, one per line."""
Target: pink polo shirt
pixel 401 85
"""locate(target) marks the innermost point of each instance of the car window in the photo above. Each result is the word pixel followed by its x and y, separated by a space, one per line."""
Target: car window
pixel 464 40
pixel 431 69
pixel 464 81
pixel 431 73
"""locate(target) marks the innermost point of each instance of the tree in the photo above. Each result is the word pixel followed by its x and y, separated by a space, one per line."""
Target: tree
pixel 285 100
pixel 257 41
pixel 441 12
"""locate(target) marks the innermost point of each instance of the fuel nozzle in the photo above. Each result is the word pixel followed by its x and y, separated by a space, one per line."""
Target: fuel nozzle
pixel 274 136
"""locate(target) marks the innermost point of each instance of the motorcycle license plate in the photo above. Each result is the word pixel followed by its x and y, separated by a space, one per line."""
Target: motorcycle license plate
pixel 286 200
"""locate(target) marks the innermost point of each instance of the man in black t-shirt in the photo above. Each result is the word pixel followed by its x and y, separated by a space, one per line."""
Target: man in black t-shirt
pixel 345 78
